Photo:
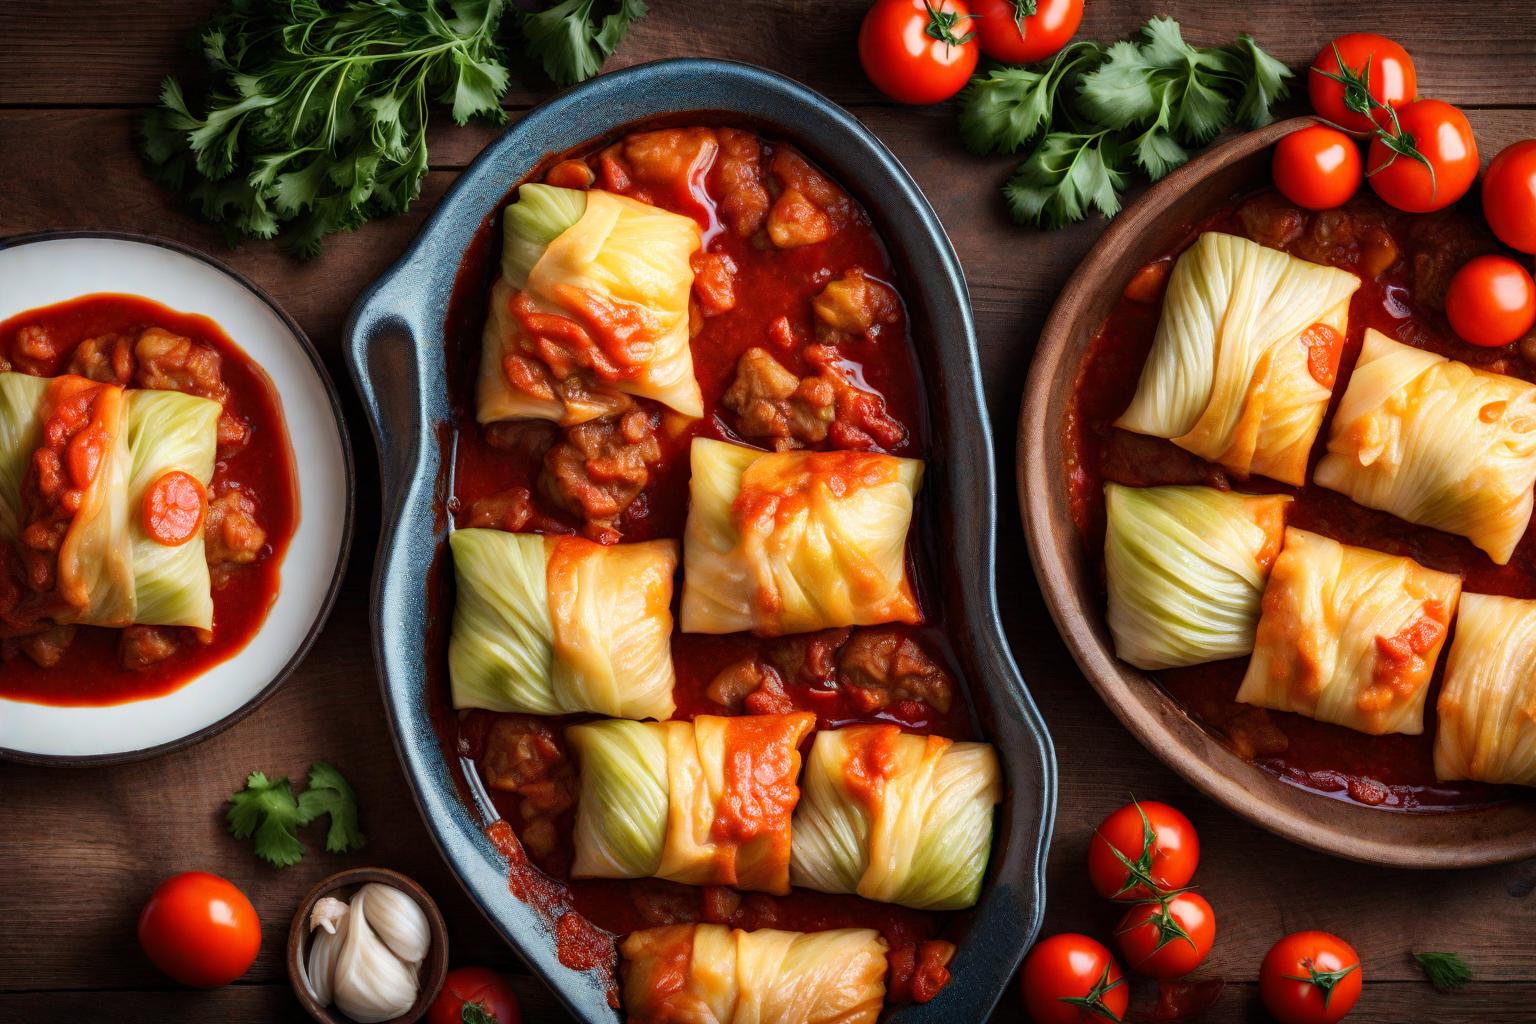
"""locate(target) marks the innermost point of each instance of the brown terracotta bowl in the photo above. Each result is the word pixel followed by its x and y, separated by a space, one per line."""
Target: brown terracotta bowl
pixel 342 885
pixel 1147 229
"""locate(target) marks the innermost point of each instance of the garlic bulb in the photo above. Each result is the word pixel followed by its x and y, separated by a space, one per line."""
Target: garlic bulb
pixel 399 921
pixel 365 956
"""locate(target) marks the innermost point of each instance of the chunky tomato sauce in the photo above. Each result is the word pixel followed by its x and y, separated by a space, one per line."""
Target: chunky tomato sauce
pixel 1404 263
pixel 773 288
pixel 91 672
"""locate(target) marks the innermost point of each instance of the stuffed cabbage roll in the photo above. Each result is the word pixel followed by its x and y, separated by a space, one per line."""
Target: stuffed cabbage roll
pixel 170 432
pixel 553 625
pixel 1437 443
pixel 711 974
pixel 792 542
pixel 1349 635
pixel 1487 706
pixel 706 802
pixel 1186 567
pixel 1245 356
pixel 896 817
pixel 591 305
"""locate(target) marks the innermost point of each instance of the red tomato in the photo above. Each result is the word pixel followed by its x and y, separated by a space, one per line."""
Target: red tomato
pixel 1509 195
pixel 1310 978
pixel 918 51
pixel 1442 135
pixel 200 929
pixel 1392 80
pixel 1157 843
pixel 1491 301
pixel 1024 31
pixel 1069 978
pixel 173 508
pixel 474 985
pixel 1167 940
pixel 1317 167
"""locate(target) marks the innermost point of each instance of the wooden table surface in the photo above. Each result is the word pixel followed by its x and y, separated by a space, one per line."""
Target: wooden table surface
pixel 80 848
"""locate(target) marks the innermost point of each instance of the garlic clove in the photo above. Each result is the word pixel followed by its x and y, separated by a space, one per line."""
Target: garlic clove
pixel 372 984
pixel 326 912
pixel 324 949
pixel 399 921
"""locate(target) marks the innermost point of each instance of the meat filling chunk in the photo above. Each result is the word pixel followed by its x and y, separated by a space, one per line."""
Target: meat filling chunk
pixel 879 667
pixel 598 469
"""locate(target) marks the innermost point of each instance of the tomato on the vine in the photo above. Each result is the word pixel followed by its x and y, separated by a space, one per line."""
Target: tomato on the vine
pixel 1354 69
pixel 1428 163
pixel 1491 301
pixel 1142 844
pixel 918 51
pixel 1509 195
pixel 1167 939
pixel 1317 167
pixel 1025 31
pixel 200 929
pixel 474 988
pixel 1072 979
pixel 1310 978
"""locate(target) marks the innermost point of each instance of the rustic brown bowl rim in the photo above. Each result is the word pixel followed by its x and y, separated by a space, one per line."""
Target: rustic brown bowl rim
pixel 433 970
pixel 1421 839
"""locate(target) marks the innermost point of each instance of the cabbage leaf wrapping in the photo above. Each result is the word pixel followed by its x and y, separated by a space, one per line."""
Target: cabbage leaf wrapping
pixel 1186 567
pixel 1437 443
pixel 1487 707
pixel 792 542
pixel 555 625
pixel 1244 359
pixel 167 432
pixel 706 802
pixel 711 974
pixel 21 427
pixel 1349 635
pixel 896 817
pixel 615 268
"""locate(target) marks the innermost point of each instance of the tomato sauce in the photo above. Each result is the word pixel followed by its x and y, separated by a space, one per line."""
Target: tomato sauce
pixel 91 672
pixel 1394 771
pixel 770 284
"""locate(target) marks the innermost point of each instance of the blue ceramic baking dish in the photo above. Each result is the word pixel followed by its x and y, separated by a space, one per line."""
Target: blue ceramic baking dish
pixel 396 354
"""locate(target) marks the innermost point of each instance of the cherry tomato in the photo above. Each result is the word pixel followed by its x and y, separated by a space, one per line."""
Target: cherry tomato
pixel 1509 195
pixel 1442 135
pixel 1318 167
pixel 1310 978
pixel 471 985
pixel 1159 843
pixel 1022 31
pixel 1167 940
pixel 918 51
pixel 1072 979
pixel 200 929
pixel 1392 80
pixel 173 508
pixel 1491 301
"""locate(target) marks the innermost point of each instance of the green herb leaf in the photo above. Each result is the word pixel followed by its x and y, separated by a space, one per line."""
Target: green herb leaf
pixel 1446 971
pixel 1263 80
pixel 266 809
pixel 1066 175
pixel 476 1013
pixel 329 793
pixel 1003 111
pixel 572 42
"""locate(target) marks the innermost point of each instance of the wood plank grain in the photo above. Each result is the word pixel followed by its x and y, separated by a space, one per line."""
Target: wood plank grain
pixel 113 52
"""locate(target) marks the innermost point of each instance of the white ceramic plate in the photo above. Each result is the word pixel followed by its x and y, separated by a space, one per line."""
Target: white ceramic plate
pixel 43 270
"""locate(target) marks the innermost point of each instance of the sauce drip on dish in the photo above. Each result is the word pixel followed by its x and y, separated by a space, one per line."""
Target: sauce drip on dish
pixel 253 496
pixel 1405 264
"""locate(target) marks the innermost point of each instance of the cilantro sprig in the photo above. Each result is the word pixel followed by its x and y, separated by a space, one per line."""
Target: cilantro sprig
pixel 267 812
pixel 313 116
pixel 1093 116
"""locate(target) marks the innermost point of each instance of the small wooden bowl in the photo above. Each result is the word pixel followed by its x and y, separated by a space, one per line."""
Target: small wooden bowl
pixel 343 884
pixel 1151 226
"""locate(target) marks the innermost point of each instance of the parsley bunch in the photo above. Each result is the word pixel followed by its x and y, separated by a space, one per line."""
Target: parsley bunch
pixel 267 810
pixel 1097 114
pixel 314 119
